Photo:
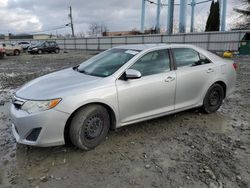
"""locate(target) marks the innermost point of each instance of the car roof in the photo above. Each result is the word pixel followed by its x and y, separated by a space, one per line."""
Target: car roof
pixel 142 47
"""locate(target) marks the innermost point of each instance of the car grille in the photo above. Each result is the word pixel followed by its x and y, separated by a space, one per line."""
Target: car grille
pixel 17 102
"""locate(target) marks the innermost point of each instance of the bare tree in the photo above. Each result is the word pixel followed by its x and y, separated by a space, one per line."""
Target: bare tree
pixel 245 14
pixel 67 35
pixel 97 29
pixel 81 34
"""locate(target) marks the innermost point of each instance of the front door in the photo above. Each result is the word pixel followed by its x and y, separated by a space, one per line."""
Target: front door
pixel 150 95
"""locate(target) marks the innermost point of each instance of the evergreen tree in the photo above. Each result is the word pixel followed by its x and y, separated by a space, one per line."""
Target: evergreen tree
pixel 213 21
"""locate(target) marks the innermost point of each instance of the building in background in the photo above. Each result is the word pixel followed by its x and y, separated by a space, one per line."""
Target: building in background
pixel 29 36
pixel 132 32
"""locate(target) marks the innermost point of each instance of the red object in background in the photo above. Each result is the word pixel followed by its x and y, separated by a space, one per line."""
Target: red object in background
pixel 235 65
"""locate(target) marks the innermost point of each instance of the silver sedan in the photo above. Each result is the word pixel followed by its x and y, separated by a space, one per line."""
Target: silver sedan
pixel 120 86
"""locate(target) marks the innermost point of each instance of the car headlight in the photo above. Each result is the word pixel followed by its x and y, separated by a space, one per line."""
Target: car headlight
pixel 35 49
pixel 37 106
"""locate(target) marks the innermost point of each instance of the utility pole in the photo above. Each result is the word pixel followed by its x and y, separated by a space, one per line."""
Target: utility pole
pixel 71 21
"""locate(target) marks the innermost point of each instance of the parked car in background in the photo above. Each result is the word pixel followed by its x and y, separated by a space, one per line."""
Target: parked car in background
pixel 12 49
pixel 121 86
pixel 42 47
pixel 2 52
pixel 25 45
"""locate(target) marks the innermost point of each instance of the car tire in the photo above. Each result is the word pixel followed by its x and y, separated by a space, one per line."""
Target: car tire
pixel 39 51
pixel 213 98
pixel 89 127
pixel 57 51
pixel 16 52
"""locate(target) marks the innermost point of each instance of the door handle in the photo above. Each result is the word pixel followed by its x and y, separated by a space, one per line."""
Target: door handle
pixel 210 70
pixel 169 79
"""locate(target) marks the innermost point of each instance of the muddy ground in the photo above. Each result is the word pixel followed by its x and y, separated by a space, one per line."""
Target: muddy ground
pixel 188 149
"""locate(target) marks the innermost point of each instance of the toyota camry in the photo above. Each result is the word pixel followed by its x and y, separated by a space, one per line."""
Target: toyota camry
pixel 118 87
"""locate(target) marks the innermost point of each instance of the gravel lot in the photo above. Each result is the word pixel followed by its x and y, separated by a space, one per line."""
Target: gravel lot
pixel 188 149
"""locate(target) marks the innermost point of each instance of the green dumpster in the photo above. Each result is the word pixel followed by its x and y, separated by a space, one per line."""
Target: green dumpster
pixel 244 48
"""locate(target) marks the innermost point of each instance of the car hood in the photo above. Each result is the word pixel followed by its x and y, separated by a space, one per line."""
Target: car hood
pixel 56 85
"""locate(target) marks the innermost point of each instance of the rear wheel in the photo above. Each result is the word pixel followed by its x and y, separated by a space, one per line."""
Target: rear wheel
pixel 213 99
pixel 16 52
pixel 39 51
pixel 89 127
pixel 57 51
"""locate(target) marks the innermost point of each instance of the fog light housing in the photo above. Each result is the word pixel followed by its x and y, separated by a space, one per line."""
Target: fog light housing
pixel 34 134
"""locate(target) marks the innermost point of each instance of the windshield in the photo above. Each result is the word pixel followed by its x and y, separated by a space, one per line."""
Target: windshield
pixel 106 63
pixel 38 44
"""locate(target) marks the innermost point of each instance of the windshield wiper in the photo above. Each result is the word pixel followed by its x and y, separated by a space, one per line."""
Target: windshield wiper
pixel 78 70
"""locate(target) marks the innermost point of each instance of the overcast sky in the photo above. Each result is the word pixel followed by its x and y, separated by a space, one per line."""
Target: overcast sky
pixel 24 16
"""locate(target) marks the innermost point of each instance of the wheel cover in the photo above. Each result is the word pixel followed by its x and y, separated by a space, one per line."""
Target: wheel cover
pixel 93 128
pixel 214 98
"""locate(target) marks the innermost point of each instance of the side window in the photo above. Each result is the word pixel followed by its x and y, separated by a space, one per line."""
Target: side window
pixel 153 63
pixel 204 59
pixel 186 57
pixel 52 44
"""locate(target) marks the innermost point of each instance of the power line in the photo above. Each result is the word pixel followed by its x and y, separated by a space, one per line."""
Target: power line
pixel 46 30
pixel 163 4
pixel 52 29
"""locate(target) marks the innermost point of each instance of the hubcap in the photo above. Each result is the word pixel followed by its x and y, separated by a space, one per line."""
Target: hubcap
pixel 93 127
pixel 214 98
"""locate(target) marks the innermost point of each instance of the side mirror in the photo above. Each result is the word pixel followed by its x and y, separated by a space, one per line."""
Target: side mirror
pixel 132 74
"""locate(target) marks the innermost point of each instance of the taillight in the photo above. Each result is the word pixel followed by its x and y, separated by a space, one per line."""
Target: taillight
pixel 235 65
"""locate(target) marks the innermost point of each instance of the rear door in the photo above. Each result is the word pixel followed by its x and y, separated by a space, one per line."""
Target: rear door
pixel 150 95
pixel 52 46
pixel 194 76
pixel 46 47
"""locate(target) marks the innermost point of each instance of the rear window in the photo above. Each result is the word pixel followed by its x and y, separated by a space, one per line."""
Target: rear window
pixel 187 57
pixel 52 44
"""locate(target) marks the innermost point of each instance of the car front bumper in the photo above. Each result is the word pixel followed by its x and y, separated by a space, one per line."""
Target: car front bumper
pixel 43 129
pixel 31 51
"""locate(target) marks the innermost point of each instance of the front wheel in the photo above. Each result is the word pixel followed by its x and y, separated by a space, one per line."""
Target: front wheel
pixel 213 99
pixel 89 127
pixel 57 51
